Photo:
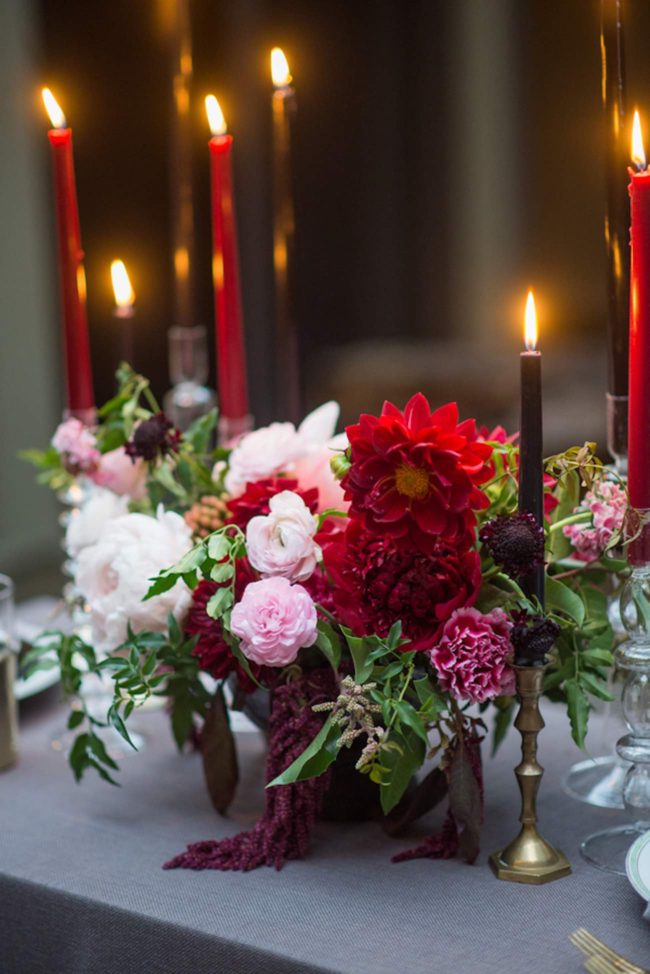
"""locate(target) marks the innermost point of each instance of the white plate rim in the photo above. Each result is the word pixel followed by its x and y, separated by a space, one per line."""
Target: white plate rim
pixel 632 865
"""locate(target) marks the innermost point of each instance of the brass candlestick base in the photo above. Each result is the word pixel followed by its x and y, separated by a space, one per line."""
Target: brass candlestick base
pixel 529 858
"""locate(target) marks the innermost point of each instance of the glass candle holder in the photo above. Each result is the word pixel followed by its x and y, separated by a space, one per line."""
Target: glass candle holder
pixel 608 849
pixel 189 398
pixel 8 655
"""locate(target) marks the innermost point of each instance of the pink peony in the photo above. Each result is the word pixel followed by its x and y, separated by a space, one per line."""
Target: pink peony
pixel 282 542
pixel 77 446
pixel 273 620
pixel 607 503
pixel 473 656
pixel 124 476
pixel 314 470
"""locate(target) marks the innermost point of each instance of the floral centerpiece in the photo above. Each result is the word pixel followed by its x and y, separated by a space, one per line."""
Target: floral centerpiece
pixel 368 582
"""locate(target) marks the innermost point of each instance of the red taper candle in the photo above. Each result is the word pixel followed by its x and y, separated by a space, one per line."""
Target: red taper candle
pixel 231 357
pixel 80 399
pixel 639 394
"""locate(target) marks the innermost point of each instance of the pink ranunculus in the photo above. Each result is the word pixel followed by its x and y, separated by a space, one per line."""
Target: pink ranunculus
pixel 282 542
pixel 274 620
pixel 77 446
pixel 119 473
pixel 473 655
pixel 607 503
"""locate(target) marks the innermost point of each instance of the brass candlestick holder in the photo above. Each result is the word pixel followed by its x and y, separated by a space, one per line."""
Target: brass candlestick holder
pixel 529 858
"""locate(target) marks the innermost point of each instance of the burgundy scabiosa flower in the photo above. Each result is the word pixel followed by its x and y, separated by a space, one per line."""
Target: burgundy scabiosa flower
pixel 377 583
pixel 255 499
pixel 155 437
pixel 415 475
pixel 515 541
pixel 532 636
pixel 473 656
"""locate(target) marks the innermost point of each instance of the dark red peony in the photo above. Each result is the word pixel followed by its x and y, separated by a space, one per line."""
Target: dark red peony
pixel 212 650
pixel 256 497
pixel 415 476
pixel 377 583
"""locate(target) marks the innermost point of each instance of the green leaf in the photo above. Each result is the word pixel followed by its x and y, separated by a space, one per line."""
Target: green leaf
pixel 329 643
pixel 190 561
pixel 568 494
pixel 401 765
pixel 360 648
pixel 219 603
pixel 432 703
pixel 579 707
pixel 491 597
pixel 594 685
pixel 200 432
pixel 162 583
pixel 222 572
pixel 75 719
pixel 165 477
pixel 409 716
pixel 182 720
pixel 315 759
pixel 218 546
pixel 119 725
pixel 395 635
pixel 560 598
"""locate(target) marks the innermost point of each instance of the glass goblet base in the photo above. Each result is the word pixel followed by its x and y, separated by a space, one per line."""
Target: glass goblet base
pixel 597 781
pixel 608 849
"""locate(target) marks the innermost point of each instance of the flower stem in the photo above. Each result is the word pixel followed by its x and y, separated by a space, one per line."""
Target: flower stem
pixel 580 518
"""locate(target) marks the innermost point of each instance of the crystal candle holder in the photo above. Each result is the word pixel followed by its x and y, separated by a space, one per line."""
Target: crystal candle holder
pixel 189 398
pixel 608 849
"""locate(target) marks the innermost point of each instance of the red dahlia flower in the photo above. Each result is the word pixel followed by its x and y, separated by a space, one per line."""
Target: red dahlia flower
pixel 415 475
pixel 376 583
pixel 256 497
pixel 213 652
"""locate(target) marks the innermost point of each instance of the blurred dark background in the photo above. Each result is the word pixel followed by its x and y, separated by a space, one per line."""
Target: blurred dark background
pixel 448 154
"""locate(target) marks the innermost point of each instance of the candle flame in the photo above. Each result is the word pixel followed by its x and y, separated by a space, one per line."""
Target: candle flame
pixel 54 110
pixel 216 120
pixel 530 324
pixel 280 68
pixel 638 152
pixel 124 294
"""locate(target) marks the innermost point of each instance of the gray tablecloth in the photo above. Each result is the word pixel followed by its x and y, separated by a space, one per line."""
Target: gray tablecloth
pixel 82 891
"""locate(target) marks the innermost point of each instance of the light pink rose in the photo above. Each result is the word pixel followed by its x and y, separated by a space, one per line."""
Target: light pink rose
pixel 113 575
pixel 282 542
pixel 77 446
pixel 472 657
pixel 274 620
pixel 119 473
pixel 278 448
pixel 87 523
pixel 607 503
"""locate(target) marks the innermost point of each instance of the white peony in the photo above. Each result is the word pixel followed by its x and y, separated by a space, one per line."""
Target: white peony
pixel 282 542
pixel 278 448
pixel 114 575
pixel 86 525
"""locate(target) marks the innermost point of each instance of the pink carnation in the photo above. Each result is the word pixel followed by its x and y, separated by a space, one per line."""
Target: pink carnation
pixel 77 446
pixel 607 503
pixel 473 656
pixel 273 620
pixel 118 472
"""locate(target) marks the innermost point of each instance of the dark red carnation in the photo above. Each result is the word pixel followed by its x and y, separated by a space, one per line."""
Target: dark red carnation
pixel 256 497
pixel 213 652
pixel 376 583
pixel 415 475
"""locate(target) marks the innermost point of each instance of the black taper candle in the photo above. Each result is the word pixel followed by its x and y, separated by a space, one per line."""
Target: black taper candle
pixel 531 463
pixel 617 215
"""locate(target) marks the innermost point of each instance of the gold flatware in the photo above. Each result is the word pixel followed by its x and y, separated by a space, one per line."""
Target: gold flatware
pixel 601 959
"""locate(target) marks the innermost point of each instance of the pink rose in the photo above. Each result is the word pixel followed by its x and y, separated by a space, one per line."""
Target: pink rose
pixel 607 503
pixel 472 657
pixel 119 473
pixel 282 542
pixel 77 446
pixel 273 620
